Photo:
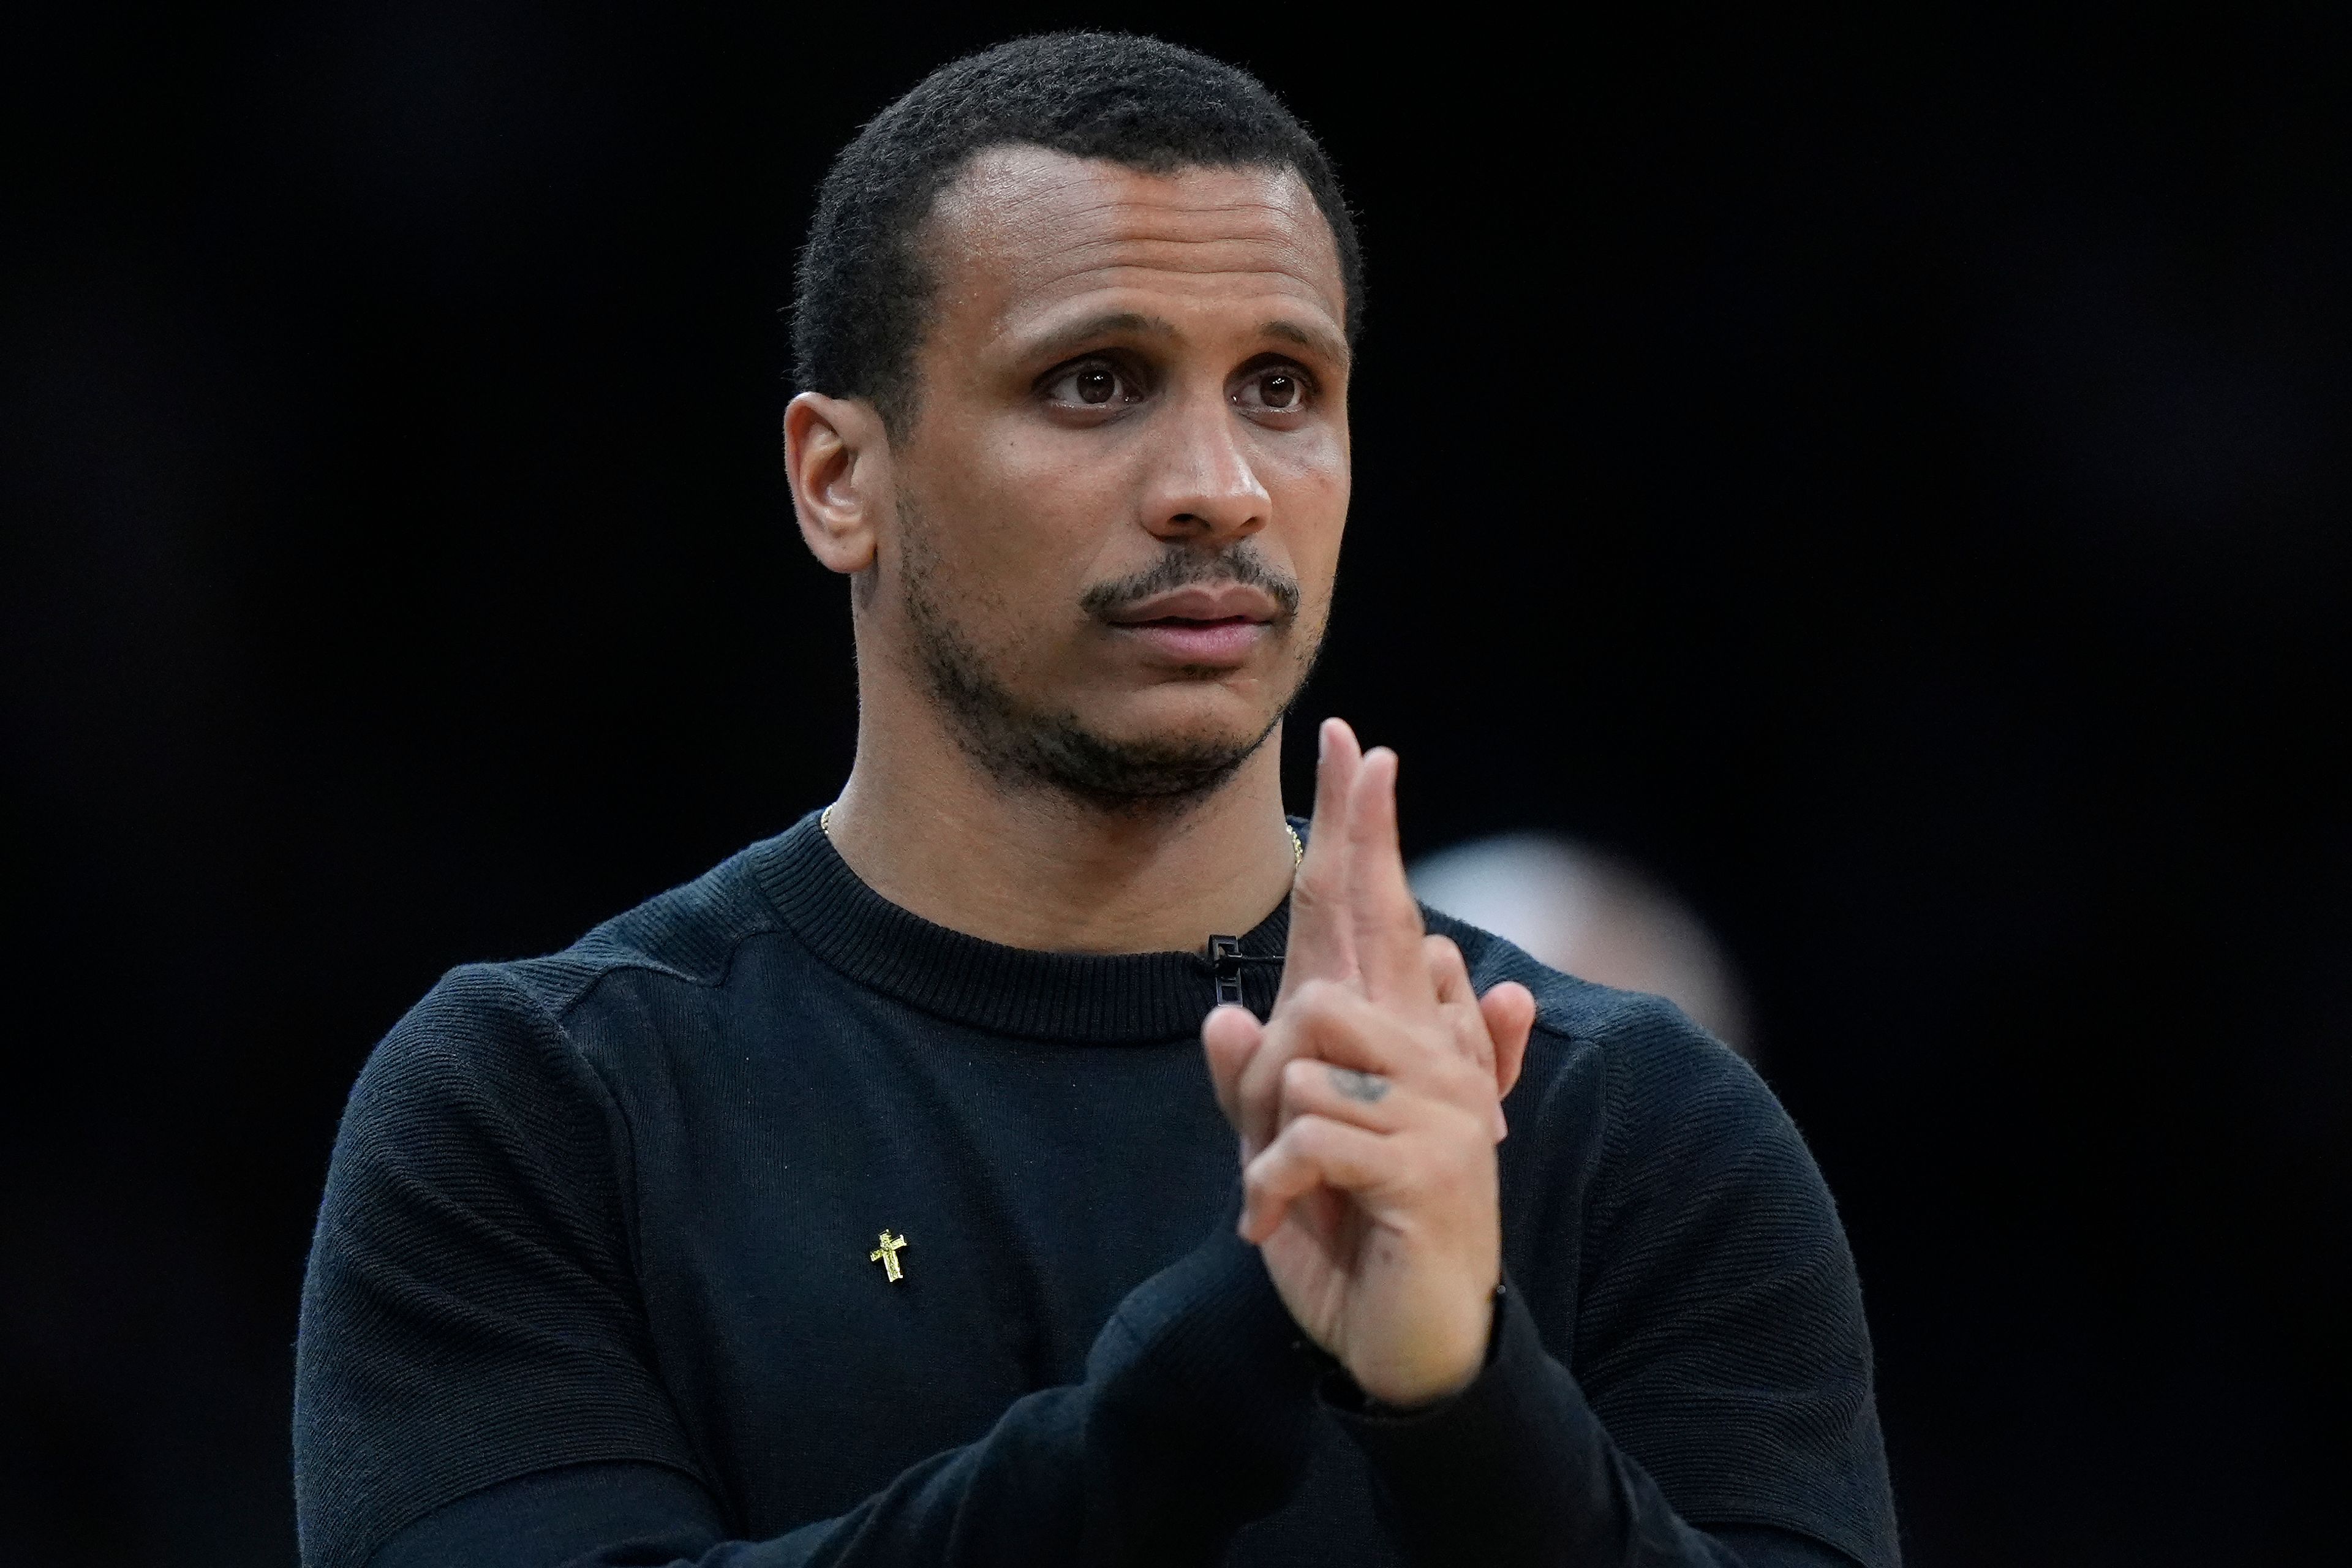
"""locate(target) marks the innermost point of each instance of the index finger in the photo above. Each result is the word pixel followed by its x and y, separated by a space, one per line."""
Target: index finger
pixel 1388 928
pixel 1322 944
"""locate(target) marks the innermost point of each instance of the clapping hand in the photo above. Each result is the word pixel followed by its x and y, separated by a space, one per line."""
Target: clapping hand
pixel 1369 1106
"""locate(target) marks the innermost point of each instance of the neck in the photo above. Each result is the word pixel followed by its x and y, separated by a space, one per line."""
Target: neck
pixel 925 826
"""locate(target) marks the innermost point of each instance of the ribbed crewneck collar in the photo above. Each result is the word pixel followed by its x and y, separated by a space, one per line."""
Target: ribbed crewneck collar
pixel 1083 998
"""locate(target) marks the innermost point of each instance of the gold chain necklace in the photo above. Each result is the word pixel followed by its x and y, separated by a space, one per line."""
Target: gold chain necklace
pixel 1297 848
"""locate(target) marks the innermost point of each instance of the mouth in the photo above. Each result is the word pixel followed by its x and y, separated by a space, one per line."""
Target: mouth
pixel 1211 625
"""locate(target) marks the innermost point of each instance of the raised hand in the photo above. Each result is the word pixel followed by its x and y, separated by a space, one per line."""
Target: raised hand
pixel 1368 1105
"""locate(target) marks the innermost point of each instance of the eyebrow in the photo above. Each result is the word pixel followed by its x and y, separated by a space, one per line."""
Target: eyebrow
pixel 1066 340
pixel 1322 343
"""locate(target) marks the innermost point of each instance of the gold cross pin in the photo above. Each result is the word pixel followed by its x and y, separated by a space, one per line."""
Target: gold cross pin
pixel 886 1254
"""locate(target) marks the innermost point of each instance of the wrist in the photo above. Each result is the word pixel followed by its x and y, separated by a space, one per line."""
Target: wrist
pixel 1408 1390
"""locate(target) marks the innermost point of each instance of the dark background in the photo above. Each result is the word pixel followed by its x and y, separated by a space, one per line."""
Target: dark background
pixel 1891 478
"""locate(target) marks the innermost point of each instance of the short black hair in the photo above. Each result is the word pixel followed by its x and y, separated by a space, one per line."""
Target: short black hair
pixel 863 294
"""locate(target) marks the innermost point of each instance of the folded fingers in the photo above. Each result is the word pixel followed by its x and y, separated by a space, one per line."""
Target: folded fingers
pixel 1331 1022
pixel 1313 1152
pixel 1353 1094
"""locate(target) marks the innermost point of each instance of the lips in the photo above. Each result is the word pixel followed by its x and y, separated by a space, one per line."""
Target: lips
pixel 1204 625
pixel 1201 602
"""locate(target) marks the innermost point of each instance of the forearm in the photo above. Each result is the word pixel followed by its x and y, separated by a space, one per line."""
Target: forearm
pixel 988 1502
pixel 1517 1470
pixel 1192 1422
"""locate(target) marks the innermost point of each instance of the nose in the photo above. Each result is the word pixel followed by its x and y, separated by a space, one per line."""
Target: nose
pixel 1203 485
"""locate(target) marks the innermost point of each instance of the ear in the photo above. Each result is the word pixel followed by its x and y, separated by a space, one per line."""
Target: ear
pixel 837 460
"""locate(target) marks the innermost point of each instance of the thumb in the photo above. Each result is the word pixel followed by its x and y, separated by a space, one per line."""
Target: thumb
pixel 1509 1010
pixel 1230 1036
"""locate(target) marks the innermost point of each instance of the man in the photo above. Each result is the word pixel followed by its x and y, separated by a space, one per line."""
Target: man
pixel 874 1199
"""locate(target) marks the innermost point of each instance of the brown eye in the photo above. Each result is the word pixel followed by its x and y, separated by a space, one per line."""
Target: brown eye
pixel 1091 383
pixel 1275 390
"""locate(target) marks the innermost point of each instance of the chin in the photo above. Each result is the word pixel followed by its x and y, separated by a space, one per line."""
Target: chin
pixel 1118 744
pixel 1156 761
pixel 1204 716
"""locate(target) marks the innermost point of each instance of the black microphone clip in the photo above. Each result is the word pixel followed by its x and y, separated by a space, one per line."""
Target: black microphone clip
pixel 1225 960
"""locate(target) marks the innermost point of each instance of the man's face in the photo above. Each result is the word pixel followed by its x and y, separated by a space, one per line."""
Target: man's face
pixel 1122 488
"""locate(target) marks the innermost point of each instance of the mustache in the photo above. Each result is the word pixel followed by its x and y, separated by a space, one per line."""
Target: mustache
pixel 1183 567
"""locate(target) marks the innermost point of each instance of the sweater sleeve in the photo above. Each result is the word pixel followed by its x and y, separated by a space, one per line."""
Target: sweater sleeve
pixel 1720 1411
pixel 1517 1469
pixel 472 1342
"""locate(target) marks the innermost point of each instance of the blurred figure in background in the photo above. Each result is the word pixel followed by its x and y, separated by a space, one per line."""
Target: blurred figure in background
pixel 1594 916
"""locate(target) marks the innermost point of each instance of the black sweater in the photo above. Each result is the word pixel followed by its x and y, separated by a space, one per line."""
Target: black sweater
pixel 594 1280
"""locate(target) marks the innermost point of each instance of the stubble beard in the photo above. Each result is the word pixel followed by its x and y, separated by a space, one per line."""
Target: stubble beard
pixel 1026 747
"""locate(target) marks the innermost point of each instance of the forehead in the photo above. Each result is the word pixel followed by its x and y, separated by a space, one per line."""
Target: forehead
pixel 1024 233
